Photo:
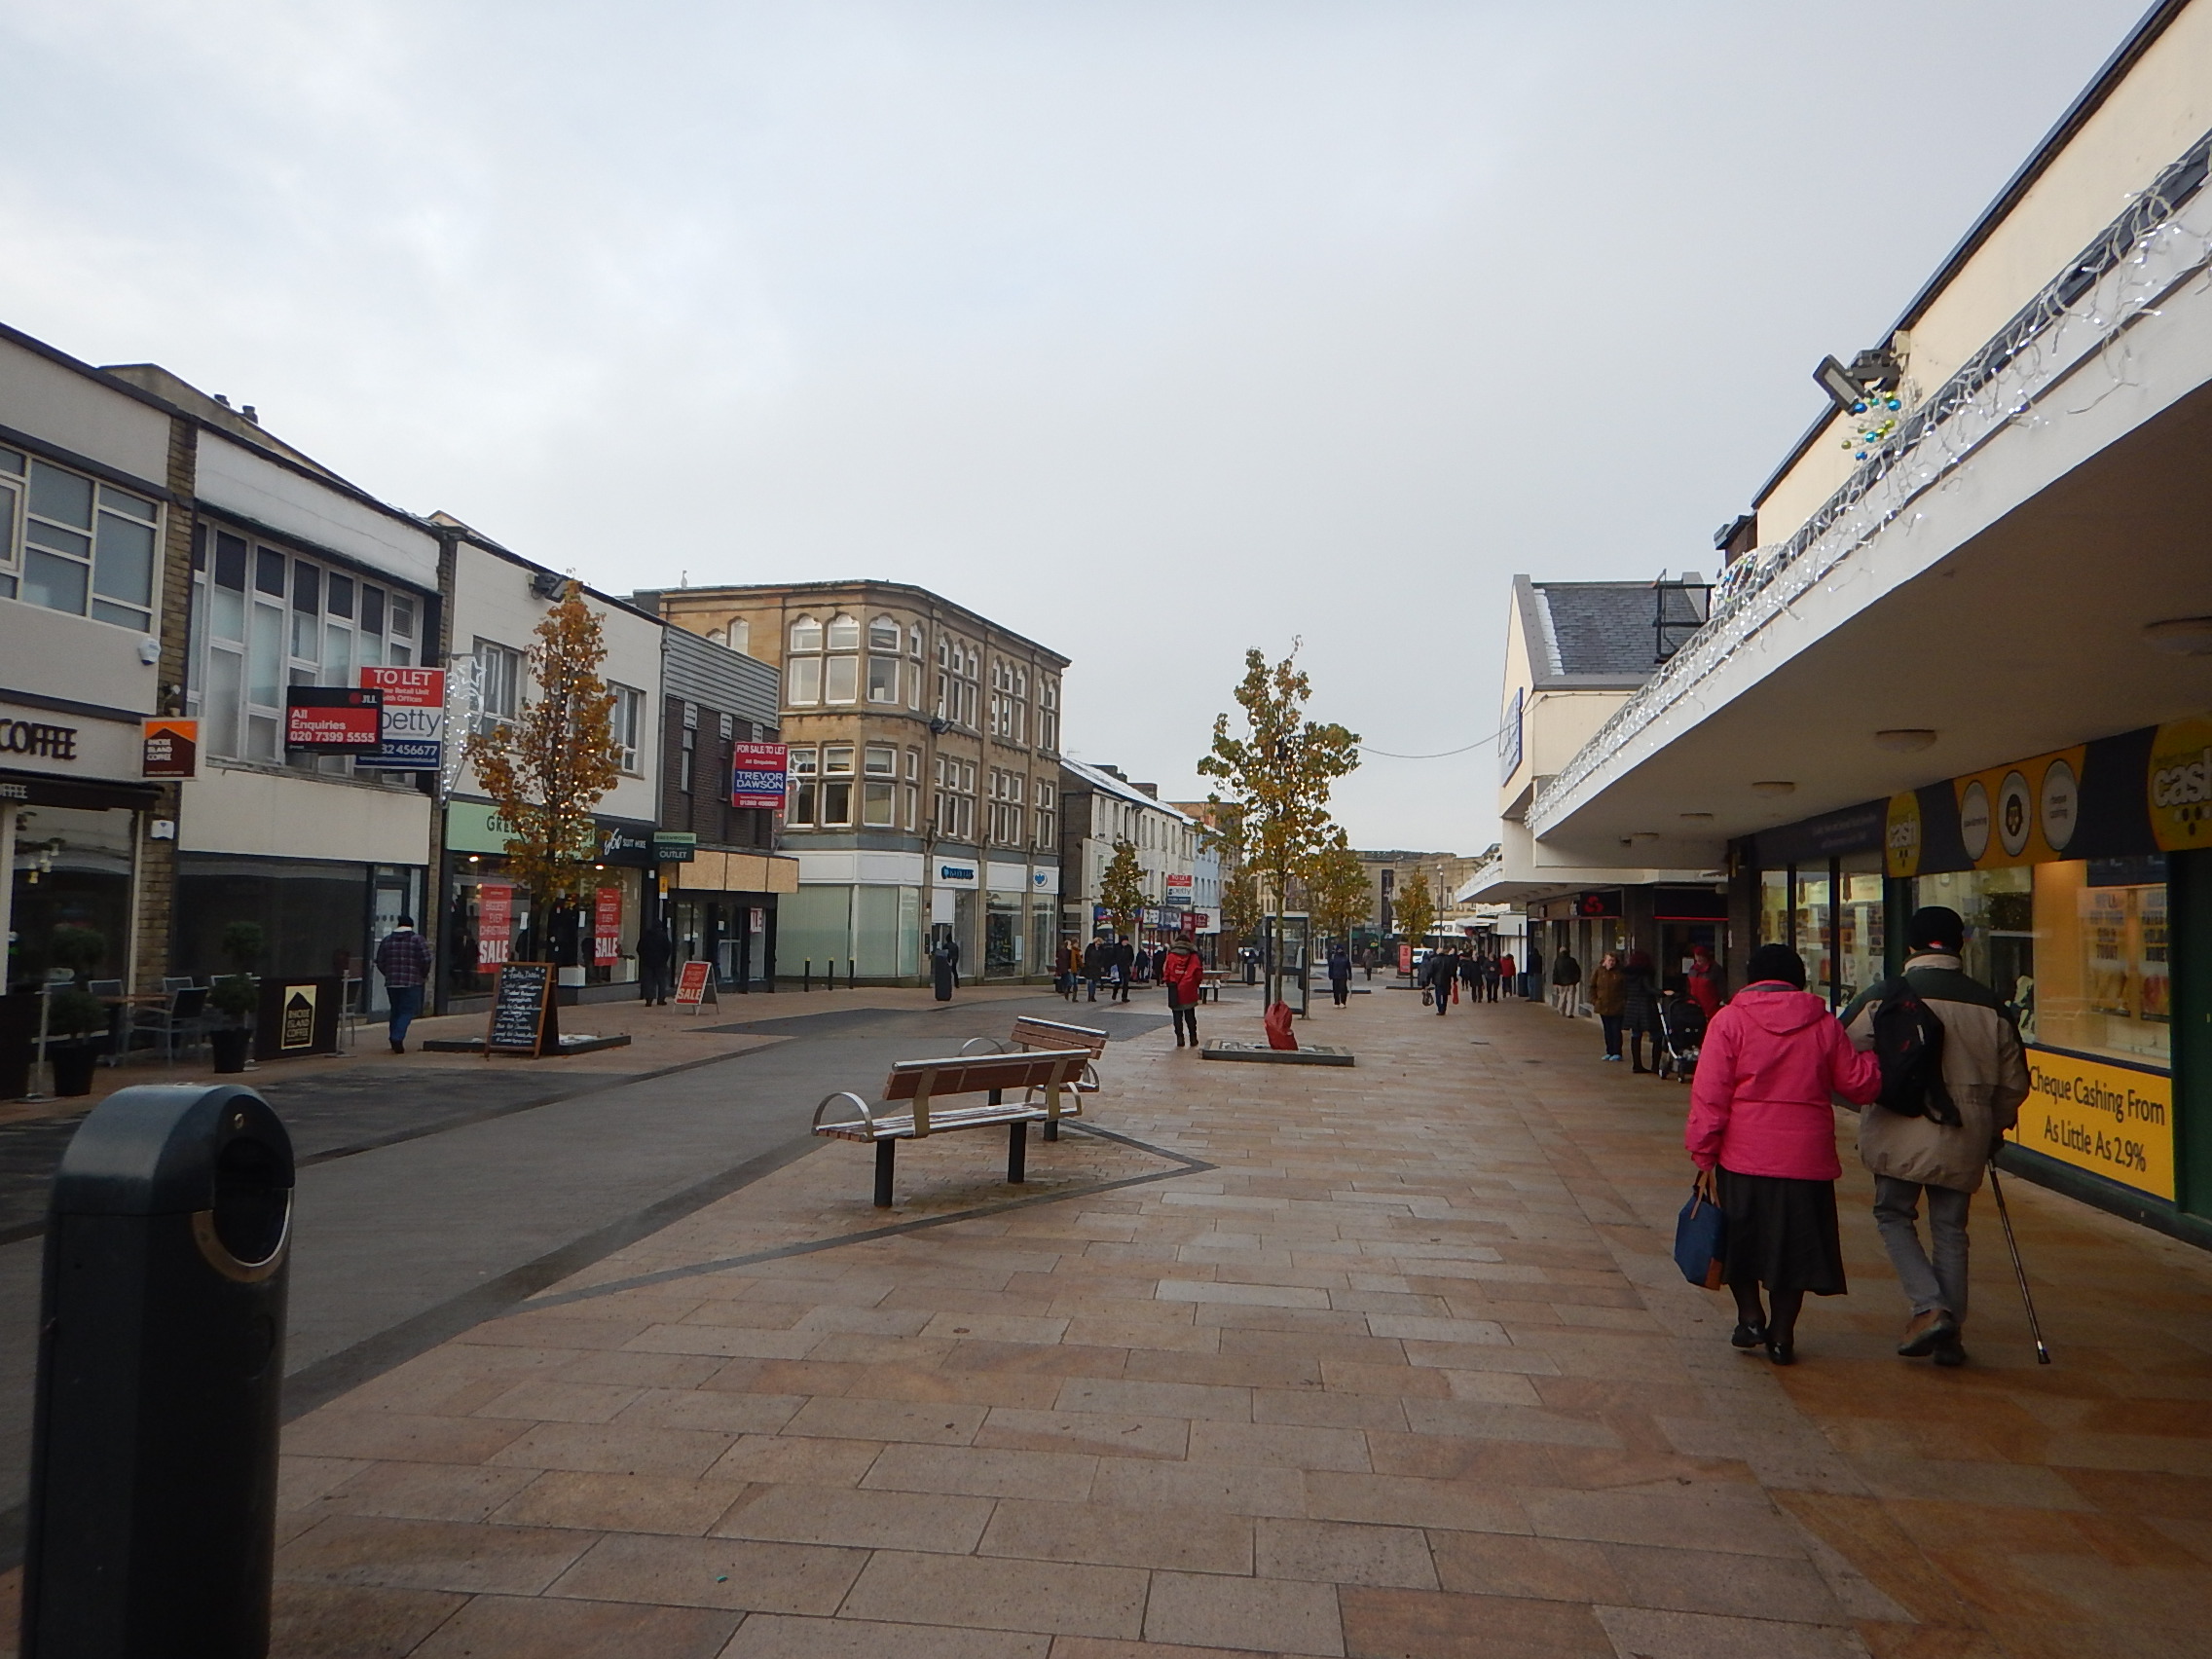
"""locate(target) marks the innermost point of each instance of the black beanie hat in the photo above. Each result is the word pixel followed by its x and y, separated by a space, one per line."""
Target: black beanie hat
pixel 1775 962
pixel 1936 927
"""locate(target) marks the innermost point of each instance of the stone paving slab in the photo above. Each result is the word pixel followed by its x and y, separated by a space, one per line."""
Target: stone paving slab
pixel 1390 1363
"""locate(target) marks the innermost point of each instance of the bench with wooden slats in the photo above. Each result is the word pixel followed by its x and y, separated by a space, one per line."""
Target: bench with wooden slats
pixel 923 1083
pixel 1031 1034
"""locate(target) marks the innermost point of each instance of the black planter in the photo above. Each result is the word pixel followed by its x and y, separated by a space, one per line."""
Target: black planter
pixel 73 1064
pixel 229 1045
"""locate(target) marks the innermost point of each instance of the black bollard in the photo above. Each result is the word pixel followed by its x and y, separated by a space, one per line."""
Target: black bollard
pixel 152 1494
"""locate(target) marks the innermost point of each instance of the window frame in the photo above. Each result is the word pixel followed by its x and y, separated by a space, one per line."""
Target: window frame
pixel 626 722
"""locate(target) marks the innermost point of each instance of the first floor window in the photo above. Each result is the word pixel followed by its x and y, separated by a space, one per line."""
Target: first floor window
pixel 880 766
pixel 798 810
pixel 69 543
pixel 627 718
pixel 837 785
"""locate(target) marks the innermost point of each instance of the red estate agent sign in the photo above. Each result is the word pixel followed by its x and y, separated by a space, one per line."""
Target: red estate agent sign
pixel 341 719
pixel 758 774
pixel 412 733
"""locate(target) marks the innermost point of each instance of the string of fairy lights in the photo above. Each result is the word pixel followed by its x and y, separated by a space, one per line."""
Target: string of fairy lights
pixel 1906 447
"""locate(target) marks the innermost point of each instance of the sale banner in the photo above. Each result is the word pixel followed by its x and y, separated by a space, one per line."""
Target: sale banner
pixel 411 736
pixel 495 921
pixel 607 924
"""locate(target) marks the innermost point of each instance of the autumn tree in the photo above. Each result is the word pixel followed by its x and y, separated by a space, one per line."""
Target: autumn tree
pixel 1337 890
pixel 1121 889
pixel 1275 780
pixel 548 771
pixel 1416 905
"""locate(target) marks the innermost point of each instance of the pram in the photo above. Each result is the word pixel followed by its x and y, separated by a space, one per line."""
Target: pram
pixel 1681 1033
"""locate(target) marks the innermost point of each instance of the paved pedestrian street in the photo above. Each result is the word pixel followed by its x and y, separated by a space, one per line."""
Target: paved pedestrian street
pixel 1387 1362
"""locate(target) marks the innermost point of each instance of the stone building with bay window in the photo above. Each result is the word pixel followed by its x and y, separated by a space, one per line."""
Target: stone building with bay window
pixel 923 797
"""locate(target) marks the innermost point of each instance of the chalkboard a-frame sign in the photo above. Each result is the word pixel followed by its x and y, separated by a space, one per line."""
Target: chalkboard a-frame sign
pixel 525 1018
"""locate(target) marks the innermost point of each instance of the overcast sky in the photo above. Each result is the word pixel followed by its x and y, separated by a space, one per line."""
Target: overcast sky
pixel 1153 330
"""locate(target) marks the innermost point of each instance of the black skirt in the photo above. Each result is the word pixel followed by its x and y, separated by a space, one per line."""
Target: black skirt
pixel 1782 1233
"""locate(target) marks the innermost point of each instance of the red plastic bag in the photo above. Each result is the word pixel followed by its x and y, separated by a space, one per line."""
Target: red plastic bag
pixel 1278 1023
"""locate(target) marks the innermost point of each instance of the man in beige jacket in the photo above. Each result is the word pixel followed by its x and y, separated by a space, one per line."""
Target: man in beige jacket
pixel 1985 1072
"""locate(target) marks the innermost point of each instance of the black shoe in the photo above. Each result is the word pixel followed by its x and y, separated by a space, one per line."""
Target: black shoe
pixel 1782 1353
pixel 399 1048
pixel 1951 1353
pixel 1747 1335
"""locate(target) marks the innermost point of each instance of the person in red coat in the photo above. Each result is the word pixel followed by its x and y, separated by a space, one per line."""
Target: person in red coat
pixel 1704 981
pixel 1184 974
pixel 1761 1132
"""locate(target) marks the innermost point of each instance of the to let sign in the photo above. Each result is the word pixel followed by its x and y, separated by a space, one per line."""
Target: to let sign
pixel 410 736
pixel 337 719
pixel 758 774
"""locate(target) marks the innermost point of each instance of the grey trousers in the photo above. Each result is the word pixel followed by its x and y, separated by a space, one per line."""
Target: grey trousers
pixel 1943 1282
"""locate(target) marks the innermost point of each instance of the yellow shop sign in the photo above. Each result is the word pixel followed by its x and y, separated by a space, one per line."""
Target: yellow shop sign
pixel 2113 1121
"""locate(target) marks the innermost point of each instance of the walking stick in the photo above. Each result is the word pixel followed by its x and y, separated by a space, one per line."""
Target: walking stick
pixel 2043 1353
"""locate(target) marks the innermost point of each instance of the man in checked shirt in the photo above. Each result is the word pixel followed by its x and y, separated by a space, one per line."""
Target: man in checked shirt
pixel 404 961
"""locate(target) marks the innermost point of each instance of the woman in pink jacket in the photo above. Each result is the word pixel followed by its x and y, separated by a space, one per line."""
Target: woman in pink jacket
pixel 1760 1117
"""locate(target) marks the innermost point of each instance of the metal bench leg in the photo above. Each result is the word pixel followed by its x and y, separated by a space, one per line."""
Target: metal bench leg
pixel 1017 1154
pixel 886 1160
pixel 1052 1130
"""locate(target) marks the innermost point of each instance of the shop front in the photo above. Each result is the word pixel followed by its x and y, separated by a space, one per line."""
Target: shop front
pixel 70 847
pixel 721 909
pixel 2084 877
pixel 490 918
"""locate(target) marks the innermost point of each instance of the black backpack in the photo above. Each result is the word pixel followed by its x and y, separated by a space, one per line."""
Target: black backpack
pixel 1908 1042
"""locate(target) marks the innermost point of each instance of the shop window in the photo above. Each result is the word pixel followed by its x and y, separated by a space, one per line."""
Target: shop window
pixel 1998 908
pixel 2099 980
pixel 69 545
pixel 799 807
pixel 628 718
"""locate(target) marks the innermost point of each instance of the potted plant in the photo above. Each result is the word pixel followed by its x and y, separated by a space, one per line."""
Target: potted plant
pixel 235 995
pixel 74 1022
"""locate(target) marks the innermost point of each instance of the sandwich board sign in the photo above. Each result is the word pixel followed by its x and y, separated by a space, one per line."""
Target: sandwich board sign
pixel 695 985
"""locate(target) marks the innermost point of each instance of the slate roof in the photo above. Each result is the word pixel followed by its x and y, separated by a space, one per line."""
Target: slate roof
pixel 1591 633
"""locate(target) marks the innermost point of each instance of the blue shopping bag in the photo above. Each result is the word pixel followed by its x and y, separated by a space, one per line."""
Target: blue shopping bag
pixel 1701 1242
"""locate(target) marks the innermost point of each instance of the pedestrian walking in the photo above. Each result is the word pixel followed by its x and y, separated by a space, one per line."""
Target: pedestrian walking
pixel 1094 964
pixel 1470 978
pixel 403 958
pixel 1443 974
pixel 1705 986
pixel 1608 995
pixel 1532 974
pixel 1639 1010
pixel 1762 1135
pixel 1184 978
pixel 1940 1154
pixel 656 954
pixel 1071 965
pixel 1340 976
pixel 1507 975
pixel 1123 956
pixel 1567 982
pixel 1487 976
